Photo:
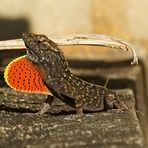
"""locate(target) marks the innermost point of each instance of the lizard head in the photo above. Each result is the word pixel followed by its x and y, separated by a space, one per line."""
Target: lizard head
pixel 35 46
pixel 45 53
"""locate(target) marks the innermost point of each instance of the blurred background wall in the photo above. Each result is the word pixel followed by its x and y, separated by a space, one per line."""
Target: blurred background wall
pixel 126 19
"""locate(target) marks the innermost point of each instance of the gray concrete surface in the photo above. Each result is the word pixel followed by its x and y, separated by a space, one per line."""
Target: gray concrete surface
pixel 20 126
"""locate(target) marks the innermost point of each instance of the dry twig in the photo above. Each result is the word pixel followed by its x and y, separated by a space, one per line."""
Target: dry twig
pixel 78 39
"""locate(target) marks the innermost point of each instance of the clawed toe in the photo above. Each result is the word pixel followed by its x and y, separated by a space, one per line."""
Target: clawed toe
pixel 44 109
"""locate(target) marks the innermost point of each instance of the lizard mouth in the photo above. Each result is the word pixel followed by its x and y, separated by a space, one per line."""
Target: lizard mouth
pixel 31 53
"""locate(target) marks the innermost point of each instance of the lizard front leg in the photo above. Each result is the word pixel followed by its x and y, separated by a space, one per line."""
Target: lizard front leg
pixel 49 100
pixel 46 105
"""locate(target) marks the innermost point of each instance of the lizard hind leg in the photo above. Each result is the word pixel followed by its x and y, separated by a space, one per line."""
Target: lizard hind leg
pixel 115 101
pixel 79 106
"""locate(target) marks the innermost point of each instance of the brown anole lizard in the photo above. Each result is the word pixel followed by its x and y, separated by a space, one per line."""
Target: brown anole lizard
pixel 63 84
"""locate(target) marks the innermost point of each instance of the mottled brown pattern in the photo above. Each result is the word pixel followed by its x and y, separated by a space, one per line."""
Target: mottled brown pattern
pixel 62 83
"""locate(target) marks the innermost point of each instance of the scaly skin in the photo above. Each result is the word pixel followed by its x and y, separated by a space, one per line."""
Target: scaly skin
pixel 63 84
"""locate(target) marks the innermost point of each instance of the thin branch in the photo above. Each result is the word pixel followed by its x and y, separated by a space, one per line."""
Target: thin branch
pixel 78 39
pixel 106 83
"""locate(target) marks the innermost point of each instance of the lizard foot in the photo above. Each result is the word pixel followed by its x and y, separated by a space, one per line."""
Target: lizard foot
pixel 46 105
pixel 45 108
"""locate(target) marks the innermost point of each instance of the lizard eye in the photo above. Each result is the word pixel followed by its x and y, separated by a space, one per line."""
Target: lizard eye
pixel 39 41
pixel 41 38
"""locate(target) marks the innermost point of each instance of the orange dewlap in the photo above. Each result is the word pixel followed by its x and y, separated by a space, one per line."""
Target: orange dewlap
pixel 22 75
